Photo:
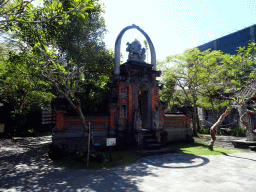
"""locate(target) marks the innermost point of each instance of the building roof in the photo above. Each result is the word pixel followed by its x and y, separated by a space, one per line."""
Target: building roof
pixel 248 92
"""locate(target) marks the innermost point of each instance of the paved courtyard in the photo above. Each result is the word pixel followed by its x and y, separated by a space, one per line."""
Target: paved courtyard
pixel 168 172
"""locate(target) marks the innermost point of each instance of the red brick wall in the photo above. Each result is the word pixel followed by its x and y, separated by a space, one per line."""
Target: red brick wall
pixel 176 122
pixel 62 121
pixel 130 104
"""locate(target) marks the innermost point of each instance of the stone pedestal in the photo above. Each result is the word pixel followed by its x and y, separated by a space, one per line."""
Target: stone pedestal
pixel 251 137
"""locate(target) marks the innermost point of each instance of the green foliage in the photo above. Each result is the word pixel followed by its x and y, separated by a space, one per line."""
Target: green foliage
pixel 33 133
pixel 167 93
pixel 240 68
pixel 193 80
pixel 81 155
pixel 22 84
pixel 200 147
pixel 19 11
pixel 118 158
pixel 204 130
pixel 241 132
pixel 201 77
pixel 26 123
pixel 70 33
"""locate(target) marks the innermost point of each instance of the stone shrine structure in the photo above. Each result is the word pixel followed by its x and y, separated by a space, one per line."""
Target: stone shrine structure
pixel 134 104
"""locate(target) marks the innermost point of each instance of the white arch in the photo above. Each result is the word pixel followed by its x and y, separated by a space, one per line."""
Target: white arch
pixel 118 47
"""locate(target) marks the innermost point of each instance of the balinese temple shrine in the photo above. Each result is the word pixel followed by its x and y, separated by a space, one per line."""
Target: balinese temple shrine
pixel 136 112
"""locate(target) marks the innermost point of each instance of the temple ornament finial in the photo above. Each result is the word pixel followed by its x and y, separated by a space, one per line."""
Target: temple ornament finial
pixel 135 51
pixel 118 47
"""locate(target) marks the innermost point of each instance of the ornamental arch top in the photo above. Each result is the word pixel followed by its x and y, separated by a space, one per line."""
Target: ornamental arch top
pixel 118 47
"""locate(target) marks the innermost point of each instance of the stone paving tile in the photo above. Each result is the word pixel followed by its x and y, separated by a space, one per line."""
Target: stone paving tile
pixel 168 172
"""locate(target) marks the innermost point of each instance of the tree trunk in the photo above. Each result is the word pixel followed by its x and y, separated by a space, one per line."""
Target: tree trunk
pixel 197 121
pixel 215 115
pixel 194 117
pixel 213 111
pixel 215 126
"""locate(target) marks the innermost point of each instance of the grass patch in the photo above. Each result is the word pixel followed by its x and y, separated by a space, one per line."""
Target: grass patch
pixel 200 147
pixel 46 146
pixel 118 158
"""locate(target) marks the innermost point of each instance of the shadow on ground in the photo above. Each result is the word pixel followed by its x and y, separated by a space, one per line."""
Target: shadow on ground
pixel 230 155
pixel 31 170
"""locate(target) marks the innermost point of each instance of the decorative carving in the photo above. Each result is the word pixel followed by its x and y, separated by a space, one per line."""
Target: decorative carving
pixel 157 121
pixel 145 78
pixel 118 47
pixel 135 51
pixel 120 123
pixel 137 121
pixel 113 91
pixel 123 111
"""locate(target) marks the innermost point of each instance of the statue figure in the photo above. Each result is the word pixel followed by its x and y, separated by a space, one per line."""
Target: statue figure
pixel 137 120
pixel 156 120
pixel 135 51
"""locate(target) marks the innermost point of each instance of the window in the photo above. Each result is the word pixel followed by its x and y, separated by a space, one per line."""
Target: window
pixel 123 111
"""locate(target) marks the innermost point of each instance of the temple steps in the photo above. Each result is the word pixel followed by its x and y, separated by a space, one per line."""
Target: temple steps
pixel 150 141
pixel 152 146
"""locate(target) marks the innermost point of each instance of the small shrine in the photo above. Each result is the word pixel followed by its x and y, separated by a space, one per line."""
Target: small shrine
pixel 136 105
pixel 136 112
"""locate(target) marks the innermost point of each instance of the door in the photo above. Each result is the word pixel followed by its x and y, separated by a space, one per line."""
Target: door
pixel 144 109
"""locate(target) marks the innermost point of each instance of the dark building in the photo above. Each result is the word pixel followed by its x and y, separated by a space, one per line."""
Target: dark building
pixel 230 43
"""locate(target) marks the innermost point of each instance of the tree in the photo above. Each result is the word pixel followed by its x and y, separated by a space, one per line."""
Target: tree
pixel 241 102
pixel 240 69
pixel 77 41
pixel 213 83
pixel 203 77
pixel 190 73
pixel 40 44
pixel 20 11
pixel 167 94
pixel 22 85
pixel 60 79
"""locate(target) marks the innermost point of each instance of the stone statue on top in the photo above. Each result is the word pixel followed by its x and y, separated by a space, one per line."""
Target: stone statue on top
pixel 135 51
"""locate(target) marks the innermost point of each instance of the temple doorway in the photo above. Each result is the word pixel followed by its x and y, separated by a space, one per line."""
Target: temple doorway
pixel 144 108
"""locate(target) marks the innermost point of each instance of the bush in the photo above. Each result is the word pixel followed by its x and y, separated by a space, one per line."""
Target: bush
pixel 33 133
pixel 97 156
pixel 204 130
pixel 26 123
pixel 241 132
pixel 16 125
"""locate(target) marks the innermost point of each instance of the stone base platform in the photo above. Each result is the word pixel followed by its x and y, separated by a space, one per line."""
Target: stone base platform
pixel 244 144
pixel 253 148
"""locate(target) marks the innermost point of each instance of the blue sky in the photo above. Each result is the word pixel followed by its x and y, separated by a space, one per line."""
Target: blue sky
pixel 176 25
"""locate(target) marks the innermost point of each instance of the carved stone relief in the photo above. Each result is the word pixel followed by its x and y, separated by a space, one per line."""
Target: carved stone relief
pixel 137 121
